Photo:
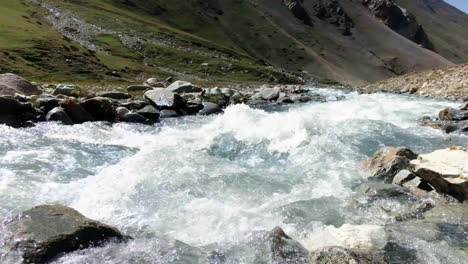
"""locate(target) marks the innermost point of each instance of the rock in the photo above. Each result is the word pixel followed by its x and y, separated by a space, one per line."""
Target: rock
pixel 134 104
pixel 257 102
pixel 58 114
pixel 464 106
pixel 133 117
pixel 296 8
pixel 76 112
pixel 449 114
pixel 219 99
pixel 14 113
pixel 150 112
pixel 408 179
pixel 164 99
pixel 10 106
pixel 69 90
pixel 100 108
pixel 168 113
pixel 388 161
pixel 284 100
pixel 285 250
pixel 114 95
pixel 228 92
pixel 10 120
pixel 153 82
pixel 47 231
pixel 137 88
pixel 210 109
pixel 193 107
pixel 269 94
pixel 446 170
pixel 47 103
pixel 339 255
pixel 12 83
pixel 183 87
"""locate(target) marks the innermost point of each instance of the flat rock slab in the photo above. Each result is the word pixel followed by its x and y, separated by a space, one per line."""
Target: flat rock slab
pixel 446 170
pixel 46 231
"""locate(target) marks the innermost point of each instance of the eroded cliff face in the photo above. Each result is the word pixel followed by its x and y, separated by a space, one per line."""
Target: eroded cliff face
pixel 399 20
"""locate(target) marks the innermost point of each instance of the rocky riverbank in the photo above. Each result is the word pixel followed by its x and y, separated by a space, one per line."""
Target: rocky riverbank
pixel 450 83
pixel 22 103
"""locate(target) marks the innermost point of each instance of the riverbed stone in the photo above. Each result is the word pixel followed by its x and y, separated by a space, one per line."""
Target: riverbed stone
pixel 150 112
pixel 452 114
pixel 47 103
pixel 446 170
pixel 47 231
pixel 76 112
pixel 133 117
pixel 10 84
pixel 183 87
pixel 166 113
pixel 100 108
pixel 340 255
pixel 138 88
pixel 210 109
pixel 269 94
pixel 58 114
pixel 164 99
pixel 388 161
pixel 286 250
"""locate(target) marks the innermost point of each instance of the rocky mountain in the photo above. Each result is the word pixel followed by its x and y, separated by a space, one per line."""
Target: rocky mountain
pixel 347 41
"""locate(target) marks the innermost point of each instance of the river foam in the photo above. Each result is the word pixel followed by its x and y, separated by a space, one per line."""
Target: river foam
pixel 214 180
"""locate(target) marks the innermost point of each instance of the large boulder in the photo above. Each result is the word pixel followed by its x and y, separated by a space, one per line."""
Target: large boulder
pixel 47 103
pixel 388 161
pixel 47 231
pixel 285 250
pixel 100 108
pixel 184 87
pixel 269 94
pixel 339 255
pixel 76 112
pixel 125 115
pixel 446 170
pixel 14 113
pixel 452 114
pixel 150 112
pixel 12 83
pixel 58 114
pixel 164 99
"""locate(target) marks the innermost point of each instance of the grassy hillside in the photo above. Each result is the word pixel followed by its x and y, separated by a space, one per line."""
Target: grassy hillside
pixel 205 41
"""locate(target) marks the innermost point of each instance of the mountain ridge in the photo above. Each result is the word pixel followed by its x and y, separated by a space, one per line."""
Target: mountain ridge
pixel 218 41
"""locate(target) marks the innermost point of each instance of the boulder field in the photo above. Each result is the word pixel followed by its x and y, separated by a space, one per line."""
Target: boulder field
pixel 22 104
pixel 444 170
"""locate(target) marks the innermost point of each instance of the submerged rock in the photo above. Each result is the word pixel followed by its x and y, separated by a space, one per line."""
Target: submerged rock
pixel 388 161
pixel 11 84
pixel 339 255
pixel 46 231
pixel 446 170
pixel 285 250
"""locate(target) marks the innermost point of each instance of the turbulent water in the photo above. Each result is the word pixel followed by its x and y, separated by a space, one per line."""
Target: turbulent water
pixel 207 189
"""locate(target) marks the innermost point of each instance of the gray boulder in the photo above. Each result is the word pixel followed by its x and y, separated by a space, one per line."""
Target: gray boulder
pixel 58 114
pixel 134 104
pixel 408 179
pixel 446 170
pixel 47 231
pixel 183 87
pixel 128 116
pixel 210 109
pixel 452 114
pixel 114 95
pixel 339 255
pixel 150 112
pixel 47 103
pixel 10 84
pixel 166 113
pixel 164 99
pixel 10 105
pixel 388 161
pixel 100 108
pixel 269 94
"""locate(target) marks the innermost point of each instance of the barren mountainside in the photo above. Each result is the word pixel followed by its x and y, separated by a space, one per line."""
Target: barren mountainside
pixel 348 41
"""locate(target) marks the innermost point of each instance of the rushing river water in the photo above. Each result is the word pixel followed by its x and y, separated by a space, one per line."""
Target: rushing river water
pixel 206 189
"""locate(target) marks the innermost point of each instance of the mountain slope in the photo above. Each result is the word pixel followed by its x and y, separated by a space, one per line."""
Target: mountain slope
pixel 214 40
